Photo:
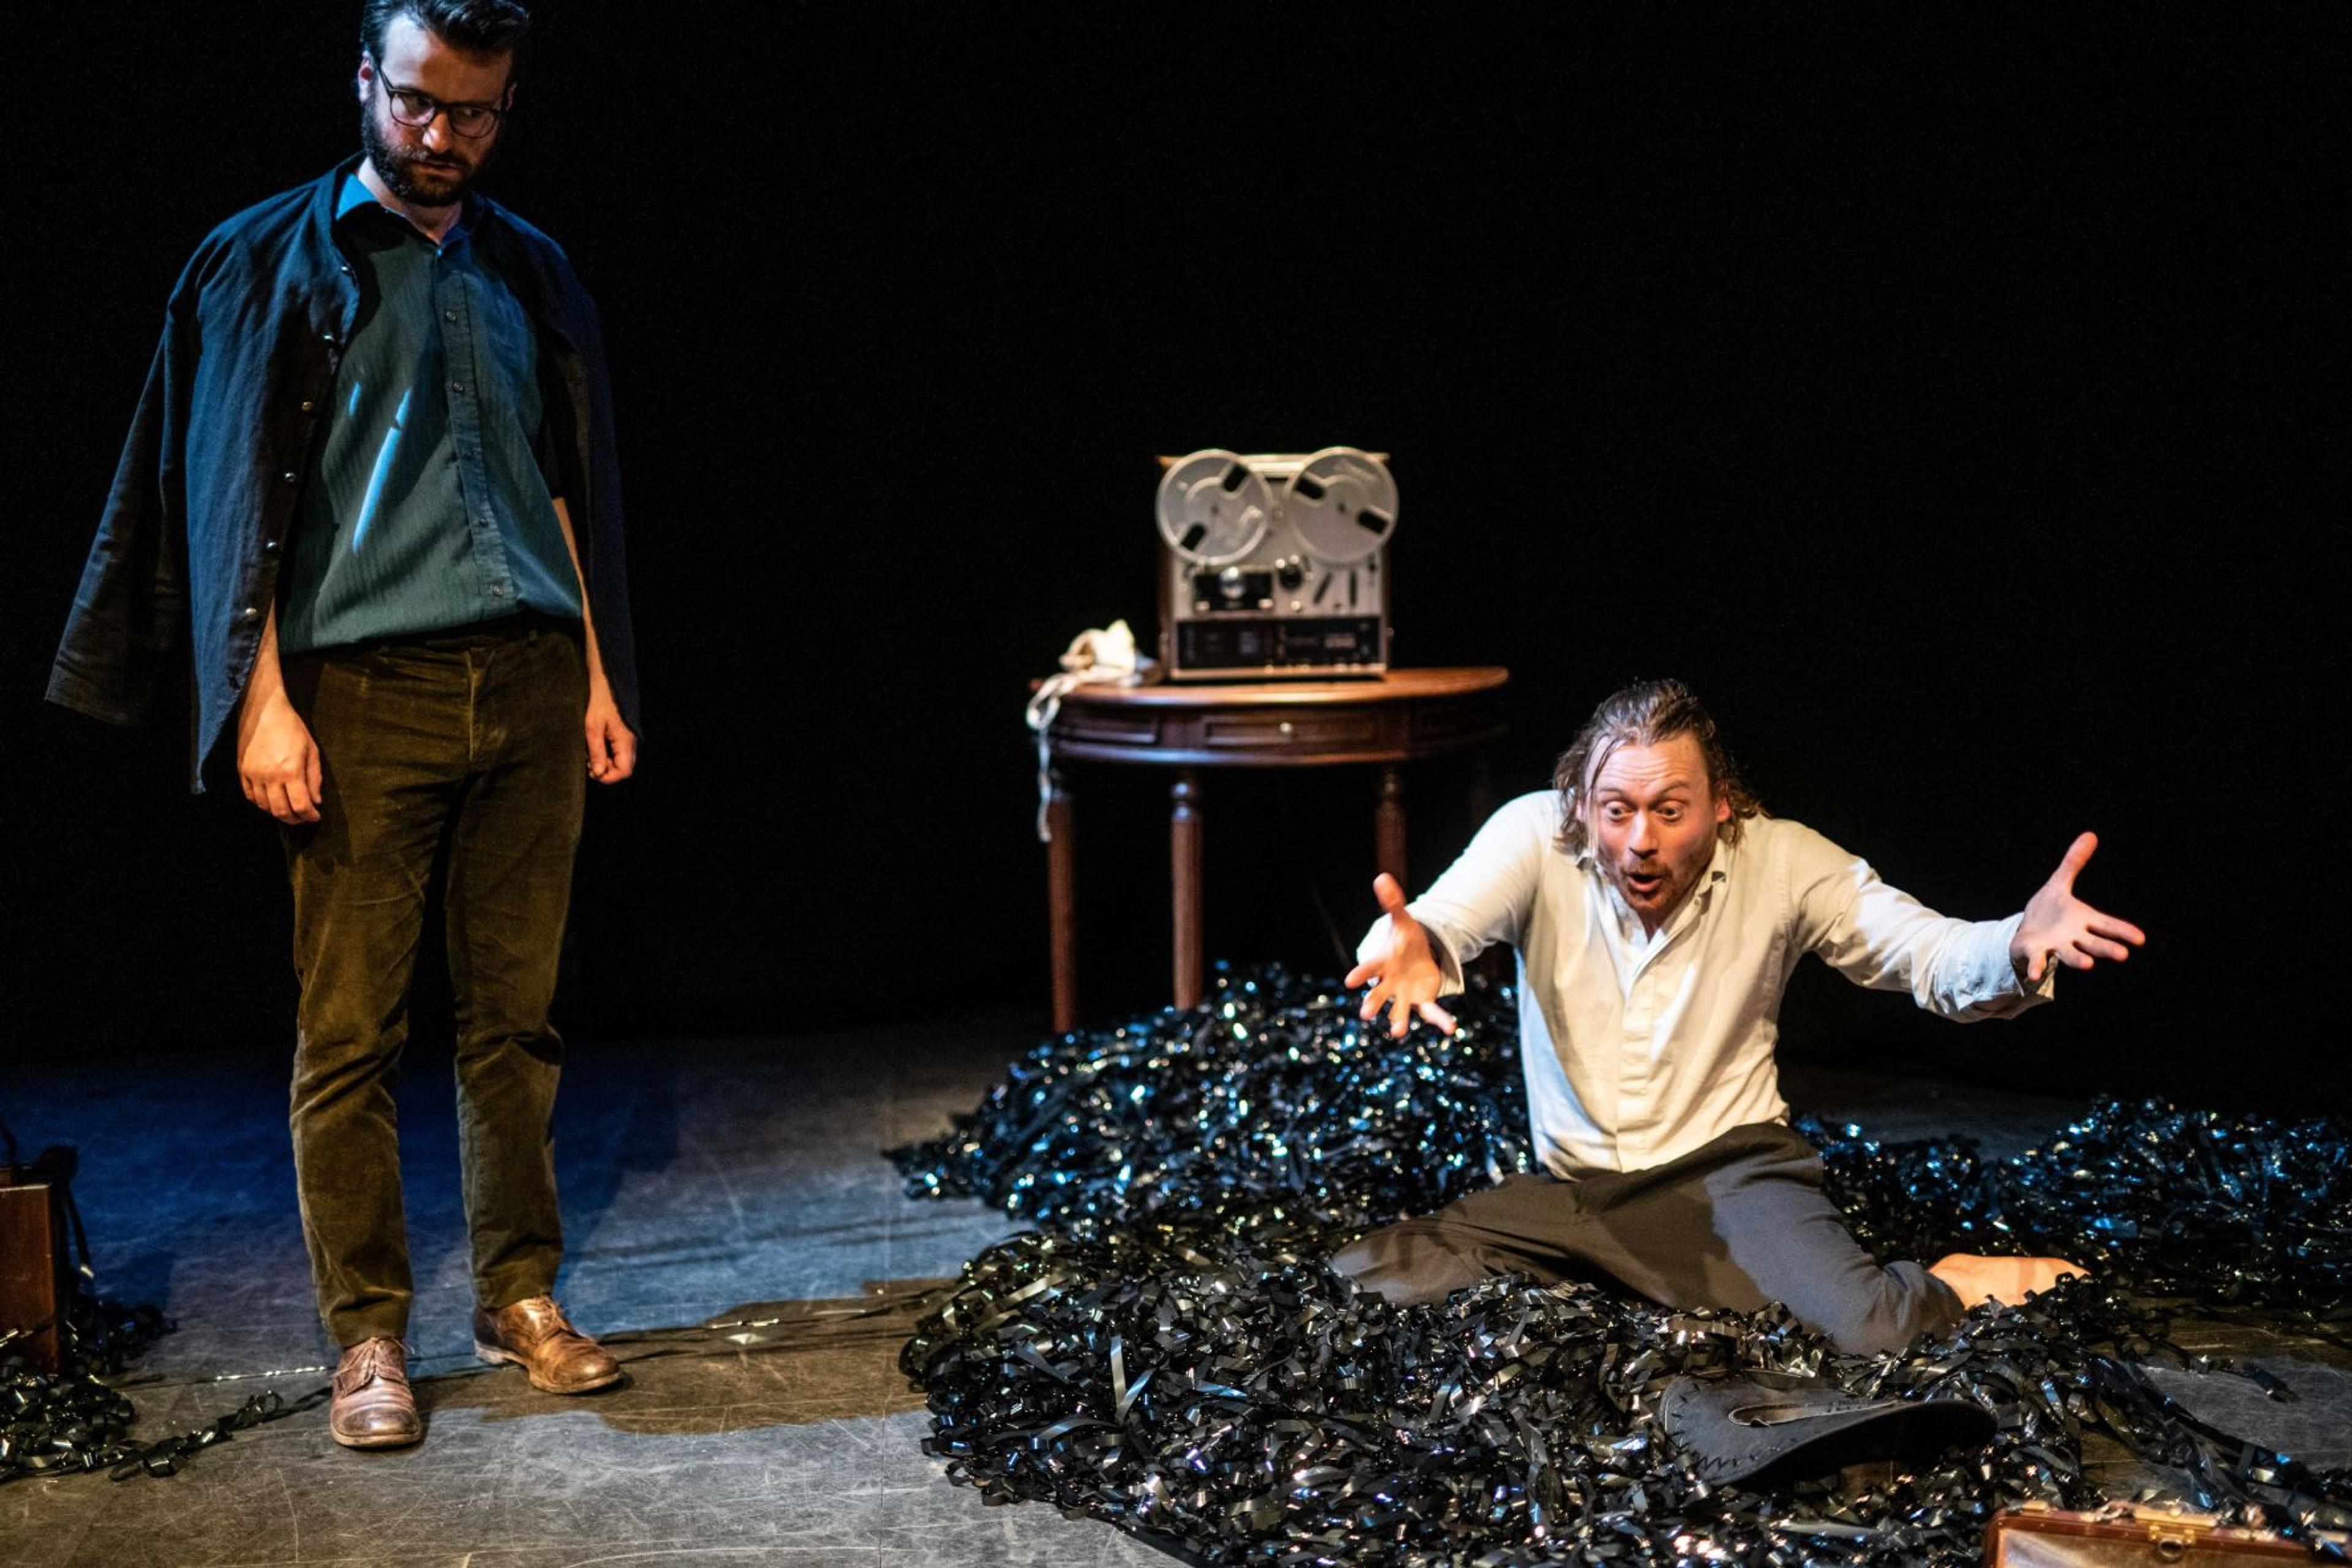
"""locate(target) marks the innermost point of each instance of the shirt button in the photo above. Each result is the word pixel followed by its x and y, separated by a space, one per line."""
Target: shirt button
pixel 249 614
pixel 448 315
pixel 271 545
pixel 457 386
pixel 497 593
pixel 287 477
pixel 309 406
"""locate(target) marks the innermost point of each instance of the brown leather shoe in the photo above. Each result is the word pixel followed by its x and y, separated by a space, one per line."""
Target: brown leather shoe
pixel 535 1335
pixel 373 1408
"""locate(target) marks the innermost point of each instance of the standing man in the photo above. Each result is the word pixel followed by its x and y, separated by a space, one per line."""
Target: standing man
pixel 1658 914
pixel 370 487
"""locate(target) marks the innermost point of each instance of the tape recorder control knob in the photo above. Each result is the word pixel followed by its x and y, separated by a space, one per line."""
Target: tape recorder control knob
pixel 1290 574
pixel 1231 584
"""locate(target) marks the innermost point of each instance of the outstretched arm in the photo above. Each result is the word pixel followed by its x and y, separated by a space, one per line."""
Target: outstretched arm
pixel 1484 898
pixel 2059 926
pixel 1408 974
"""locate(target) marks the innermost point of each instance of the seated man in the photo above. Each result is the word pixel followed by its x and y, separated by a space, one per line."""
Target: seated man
pixel 1658 913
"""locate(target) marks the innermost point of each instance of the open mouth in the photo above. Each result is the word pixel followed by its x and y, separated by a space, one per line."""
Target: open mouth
pixel 1645 883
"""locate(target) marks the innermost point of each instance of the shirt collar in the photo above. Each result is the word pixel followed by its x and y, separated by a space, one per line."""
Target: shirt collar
pixel 350 194
pixel 353 195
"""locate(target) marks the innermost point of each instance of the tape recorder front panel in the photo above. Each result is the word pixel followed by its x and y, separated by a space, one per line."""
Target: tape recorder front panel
pixel 1275 566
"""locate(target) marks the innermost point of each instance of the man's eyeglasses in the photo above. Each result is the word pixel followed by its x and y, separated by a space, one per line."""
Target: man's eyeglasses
pixel 418 110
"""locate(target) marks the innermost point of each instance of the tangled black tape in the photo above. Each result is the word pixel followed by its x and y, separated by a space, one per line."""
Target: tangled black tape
pixel 54 1423
pixel 1169 1352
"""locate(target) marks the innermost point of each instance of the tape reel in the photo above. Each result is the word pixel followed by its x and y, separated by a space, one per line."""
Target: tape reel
pixel 1342 503
pixel 1214 508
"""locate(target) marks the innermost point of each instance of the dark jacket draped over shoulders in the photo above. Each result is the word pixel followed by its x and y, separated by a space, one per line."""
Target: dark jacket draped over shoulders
pixel 196 525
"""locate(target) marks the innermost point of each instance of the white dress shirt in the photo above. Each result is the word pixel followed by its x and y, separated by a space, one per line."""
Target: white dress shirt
pixel 1639 1048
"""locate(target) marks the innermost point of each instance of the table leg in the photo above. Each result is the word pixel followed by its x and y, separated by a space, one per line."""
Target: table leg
pixel 1062 900
pixel 1184 868
pixel 1388 824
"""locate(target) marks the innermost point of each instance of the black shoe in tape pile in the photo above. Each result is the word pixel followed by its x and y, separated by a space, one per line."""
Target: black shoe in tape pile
pixel 1168 1353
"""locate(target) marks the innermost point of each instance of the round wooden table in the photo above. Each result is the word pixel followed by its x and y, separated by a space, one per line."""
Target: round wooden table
pixel 1384 722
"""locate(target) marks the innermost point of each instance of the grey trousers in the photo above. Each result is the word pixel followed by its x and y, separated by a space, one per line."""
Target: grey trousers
pixel 1739 1223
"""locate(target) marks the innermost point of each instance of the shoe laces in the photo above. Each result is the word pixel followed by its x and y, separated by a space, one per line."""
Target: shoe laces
pixel 374 1358
pixel 546 1319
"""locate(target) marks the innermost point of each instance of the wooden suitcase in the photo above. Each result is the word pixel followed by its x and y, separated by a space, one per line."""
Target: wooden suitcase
pixel 2121 1535
pixel 35 1274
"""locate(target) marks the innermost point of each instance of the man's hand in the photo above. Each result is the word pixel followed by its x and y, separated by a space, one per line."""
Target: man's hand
pixel 611 746
pixel 276 760
pixel 1406 976
pixel 2059 925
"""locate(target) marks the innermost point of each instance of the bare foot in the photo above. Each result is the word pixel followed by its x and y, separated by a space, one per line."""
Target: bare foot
pixel 2002 1281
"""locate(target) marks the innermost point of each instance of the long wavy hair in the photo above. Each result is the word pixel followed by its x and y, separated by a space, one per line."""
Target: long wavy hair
pixel 1647 713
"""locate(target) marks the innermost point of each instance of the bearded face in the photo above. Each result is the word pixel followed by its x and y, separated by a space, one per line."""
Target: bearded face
pixel 422 177
pixel 428 165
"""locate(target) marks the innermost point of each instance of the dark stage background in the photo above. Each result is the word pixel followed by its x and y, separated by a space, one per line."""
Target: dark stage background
pixel 1954 404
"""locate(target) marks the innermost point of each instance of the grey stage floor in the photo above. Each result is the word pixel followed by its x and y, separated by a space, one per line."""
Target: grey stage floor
pixel 735 1181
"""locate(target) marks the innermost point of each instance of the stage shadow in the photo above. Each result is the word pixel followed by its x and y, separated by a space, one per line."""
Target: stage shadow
pixel 758 1365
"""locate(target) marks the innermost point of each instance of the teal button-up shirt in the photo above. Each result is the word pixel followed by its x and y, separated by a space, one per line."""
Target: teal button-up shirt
pixel 427 508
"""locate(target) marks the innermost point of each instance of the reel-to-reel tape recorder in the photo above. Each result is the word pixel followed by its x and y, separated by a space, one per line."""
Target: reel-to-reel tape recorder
pixel 1275 566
